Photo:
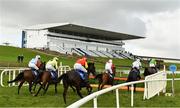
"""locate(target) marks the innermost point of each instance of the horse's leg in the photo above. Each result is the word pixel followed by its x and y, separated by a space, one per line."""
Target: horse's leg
pixel 134 87
pixel 89 89
pixel 30 87
pixel 65 85
pixel 46 88
pixel 39 89
pixel 102 85
pixel 34 87
pixel 72 88
pixel 128 87
pixel 99 86
pixel 20 85
pixel 55 88
pixel 78 91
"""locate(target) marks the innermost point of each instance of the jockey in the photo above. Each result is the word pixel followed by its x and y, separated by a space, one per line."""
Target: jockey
pixel 34 64
pixel 52 66
pixel 152 64
pixel 136 64
pixel 81 65
pixel 108 67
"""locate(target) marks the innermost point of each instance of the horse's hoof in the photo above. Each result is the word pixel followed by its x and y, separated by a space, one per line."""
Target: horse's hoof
pixel 34 95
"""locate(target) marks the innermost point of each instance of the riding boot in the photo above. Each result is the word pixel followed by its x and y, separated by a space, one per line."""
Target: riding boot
pixel 86 78
pixel 55 74
pixel 37 77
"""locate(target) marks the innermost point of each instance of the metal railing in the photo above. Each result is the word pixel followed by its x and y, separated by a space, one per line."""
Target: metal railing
pixel 95 95
pixel 11 75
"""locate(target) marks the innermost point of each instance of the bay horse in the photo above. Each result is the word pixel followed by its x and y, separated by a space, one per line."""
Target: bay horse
pixel 45 80
pixel 28 76
pixel 105 78
pixel 134 75
pixel 73 79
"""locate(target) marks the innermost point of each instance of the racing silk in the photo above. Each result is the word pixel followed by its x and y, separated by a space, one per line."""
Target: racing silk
pixel 34 61
pixel 82 62
pixel 136 64
pixel 109 67
pixel 152 63
pixel 53 63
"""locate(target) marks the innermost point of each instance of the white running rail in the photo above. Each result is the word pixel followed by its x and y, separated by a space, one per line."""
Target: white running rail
pixel 95 95
pixel 11 74
pixel 63 69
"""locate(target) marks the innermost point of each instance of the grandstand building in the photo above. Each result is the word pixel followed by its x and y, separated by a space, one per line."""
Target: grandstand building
pixel 70 38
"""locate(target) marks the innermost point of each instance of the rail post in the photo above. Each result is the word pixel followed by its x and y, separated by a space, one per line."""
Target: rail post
pixel 117 98
pixel 132 93
pixel 95 102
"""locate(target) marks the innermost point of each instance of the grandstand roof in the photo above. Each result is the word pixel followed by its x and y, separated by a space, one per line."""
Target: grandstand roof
pixel 84 31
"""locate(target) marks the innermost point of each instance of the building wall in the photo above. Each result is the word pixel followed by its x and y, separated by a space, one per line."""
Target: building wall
pixel 36 39
pixel 39 39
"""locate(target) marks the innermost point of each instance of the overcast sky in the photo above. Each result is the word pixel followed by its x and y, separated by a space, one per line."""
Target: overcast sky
pixel 157 20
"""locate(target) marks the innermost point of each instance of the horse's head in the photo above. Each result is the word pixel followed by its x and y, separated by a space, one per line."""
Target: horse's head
pixel 91 69
pixel 114 70
pixel 42 66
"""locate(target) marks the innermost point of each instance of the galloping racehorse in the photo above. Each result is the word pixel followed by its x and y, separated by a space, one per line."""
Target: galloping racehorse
pixel 105 78
pixel 149 71
pixel 46 80
pixel 134 75
pixel 73 79
pixel 27 75
pixel 91 69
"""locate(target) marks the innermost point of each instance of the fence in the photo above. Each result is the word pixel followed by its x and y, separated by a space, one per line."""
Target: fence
pixel 95 95
pixel 153 85
pixel 11 75
pixel 153 88
pixel 13 72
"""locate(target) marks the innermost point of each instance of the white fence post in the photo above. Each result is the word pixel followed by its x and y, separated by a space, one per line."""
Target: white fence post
pixel 117 98
pixel 132 95
pixel 95 102
pixel 9 79
pixel 63 69
pixel 11 75
pixel 14 76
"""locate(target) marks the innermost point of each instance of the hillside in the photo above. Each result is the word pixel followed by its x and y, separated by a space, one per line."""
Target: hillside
pixel 8 57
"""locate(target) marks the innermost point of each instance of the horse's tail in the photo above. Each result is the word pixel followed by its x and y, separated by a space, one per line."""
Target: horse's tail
pixel 63 76
pixel 18 78
pixel 99 76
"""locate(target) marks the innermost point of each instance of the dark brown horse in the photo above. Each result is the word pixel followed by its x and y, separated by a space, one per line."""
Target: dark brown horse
pixel 27 75
pixel 150 70
pixel 46 80
pixel 73 79
pixel 134 75
pixel 105 78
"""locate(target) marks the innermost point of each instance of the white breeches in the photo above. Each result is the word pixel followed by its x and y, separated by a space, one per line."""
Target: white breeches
pixel 79 67
pixel 50 67
pixel 151 65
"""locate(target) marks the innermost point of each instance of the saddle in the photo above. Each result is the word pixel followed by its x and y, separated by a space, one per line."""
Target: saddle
pixel 34 72
pixel 54 75
pixel 81 73
pixel 108 72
